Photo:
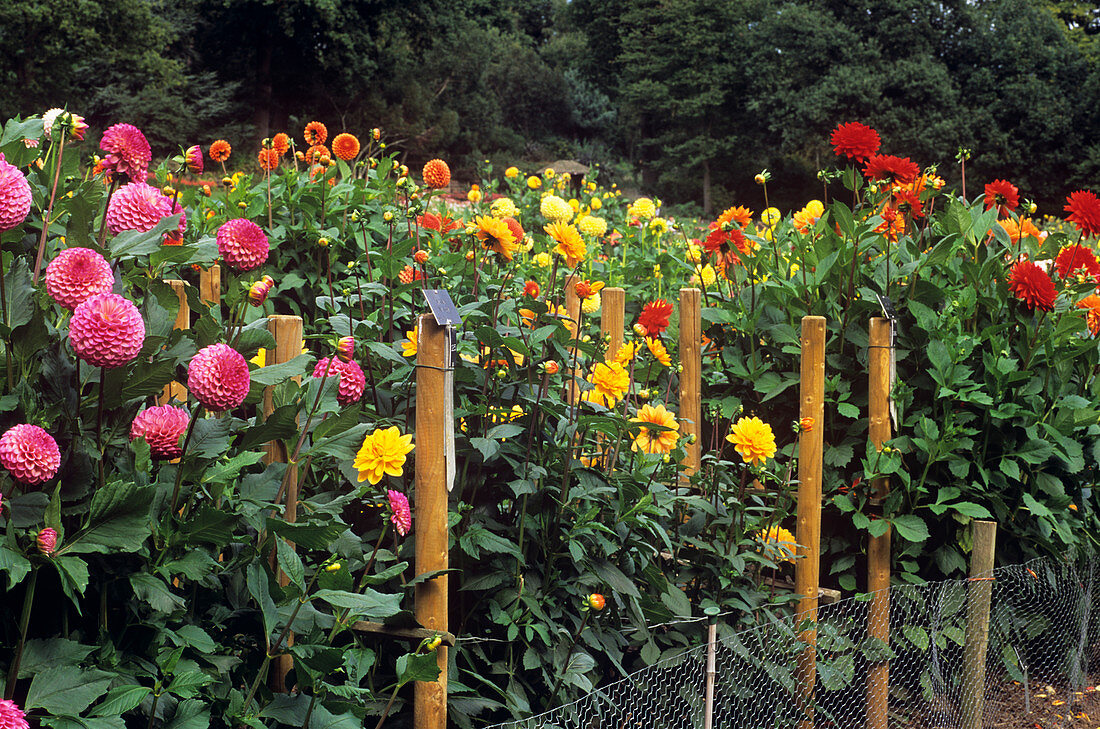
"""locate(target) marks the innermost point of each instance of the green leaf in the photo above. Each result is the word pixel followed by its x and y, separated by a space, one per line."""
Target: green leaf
pixel 133 243
pixel 155 592
pixel 190 714
pixel 211 438
pixel 15 564
pixel 291 564
pixel 274 374
pixel 66 690
pixel 1036 507
pixel 370 603
pixel 208 525
pixel 40 655
pixel 120 700
pixel 342 446
pixel 186 685
pixel 910 528
pixel 226 472
pixel 118 521
pixel 417 667
pixel 1035 451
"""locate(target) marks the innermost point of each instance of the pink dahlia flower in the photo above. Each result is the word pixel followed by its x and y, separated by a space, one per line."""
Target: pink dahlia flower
pixel 352 380
pixel 162 427
pixel 11 716
pixel 15 198
pixel 77 274
pixel 242 244
pixel 400 513
pixel 47 541
pixel 31 455
pixel 127 151
pixel 138 206
pixel 218 377
pixel 106 330
pixel 193 159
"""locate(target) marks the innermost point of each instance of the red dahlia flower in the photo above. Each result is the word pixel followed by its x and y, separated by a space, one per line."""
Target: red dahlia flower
pixel 1031 284
pixel 437 174
pixel 654 317
pixel 857 141
pixel 242 244
pixel 1084 212
pixel 30 454
pixel 218 377
pixel 138 206
pixel 1004 195
pixel 352 380
pixel 892 169
pixel 1074 257
pixel 15 196
pixel 127 149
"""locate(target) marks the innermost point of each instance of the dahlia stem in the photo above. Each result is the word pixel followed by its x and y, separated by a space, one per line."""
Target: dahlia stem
pixel 102 238
pixel 99 426
pixel 269 224
pixel 49 210
pixel 362 579
pixel 4 313
pixel 183 453
pixel 24 621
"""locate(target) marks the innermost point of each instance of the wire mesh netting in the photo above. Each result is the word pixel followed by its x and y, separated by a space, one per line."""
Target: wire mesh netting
pixel 925 642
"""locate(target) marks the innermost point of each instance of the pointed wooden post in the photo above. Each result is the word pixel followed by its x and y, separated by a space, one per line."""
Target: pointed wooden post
pixel 430 699
pixel 612 318
pixel 691 359
pixel 210 285
pixel 878 548
pixel 287 331
pixel 979 592
pixel 183 321
pixel 810 446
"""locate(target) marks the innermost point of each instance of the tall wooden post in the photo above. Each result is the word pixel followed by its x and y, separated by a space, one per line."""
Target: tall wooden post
pixel 612 318
pixel 430 699
pixel 979 592
pixel 878 549
pixel 183 321
pixel 287 331
pixel 810 446
pixel 691 353
pixel 210 285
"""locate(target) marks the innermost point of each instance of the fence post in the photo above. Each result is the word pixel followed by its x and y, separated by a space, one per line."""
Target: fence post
pixel 810 445
pixel 287 331
pixel 878 548
pixel 430 699
pixel 611 320
pixel 210 285
pixel 183 321
pixel 691 346
pixel 979 592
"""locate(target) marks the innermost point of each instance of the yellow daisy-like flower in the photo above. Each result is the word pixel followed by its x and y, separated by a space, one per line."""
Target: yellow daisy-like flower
pixel 596 203
pixel 707 275
pixel 593 226
pixel 753 439
pixel 543 260
pixel 549 173
pixel 770 216
pixel 592 304
pixel 656 441
pixel 534 182
pixel 408 347
pixel 657 349
pixel 694 254
pixel 570 245
pixel 511 172
pixel 260 360
pixel 502 207
pixel 626 353
pixel 642 208
pixel 383 452
pixel 658 225
pixel 556 210
pixel 805 218
pixel 779 544
pixel 495 235
pixel 610 382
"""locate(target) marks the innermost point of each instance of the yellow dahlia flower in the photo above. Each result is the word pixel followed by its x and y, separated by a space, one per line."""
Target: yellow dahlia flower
pixel 642 208
pixel 779 544
pixel 534 182
pixel 753 439
pixel 610 382
pixel 593 226
pixel 543 260
pixel 502 207
pixel 592 303
pixel 511 172
pixel 556 210
pixel 655 441
pixel 383 452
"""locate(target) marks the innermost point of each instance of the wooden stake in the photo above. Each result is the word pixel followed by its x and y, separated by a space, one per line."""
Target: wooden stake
pixel 210 285
pixel 287 331
pixel 611 320
pixel 430 699
pixel 810 447
pixel 183 321
pixel 978 594
pixel 691 353
pixel 878 549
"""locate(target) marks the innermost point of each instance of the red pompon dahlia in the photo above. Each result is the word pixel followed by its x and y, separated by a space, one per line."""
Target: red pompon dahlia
pixel 162 427
pixel 1075 257
pixel 11 716
pixel 1031 284
pixel 138 206
pixel 892 169
pixel 516 228
pixel 77 274
pixel 193 159
pixel 654 317
pixel 242 244
pixel 15 197
pixel 352 380
pixel 855 140
pixel 400 513
pixel 437 174
pixel 1084 212
pixel 127 149
pixel 47 541
pixel 218 377
pixel 1002 194
pixel 106 330
pixel 30 454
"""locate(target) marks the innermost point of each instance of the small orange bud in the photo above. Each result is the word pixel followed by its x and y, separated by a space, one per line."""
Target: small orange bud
pixel 421 257
pixel 596 601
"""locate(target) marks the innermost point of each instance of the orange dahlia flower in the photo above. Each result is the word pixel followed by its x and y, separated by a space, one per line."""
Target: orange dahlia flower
pixel 280 143
pixel 437 174
pixel 315 133
pixel 220 150
pixel 345 146
pixel 268 159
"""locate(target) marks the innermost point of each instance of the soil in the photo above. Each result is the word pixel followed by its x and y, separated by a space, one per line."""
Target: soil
pixel 1051 707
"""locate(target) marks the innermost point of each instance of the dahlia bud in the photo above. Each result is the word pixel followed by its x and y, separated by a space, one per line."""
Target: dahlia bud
pixel 666 458
pixel 323 242
pixel 354 216
pixel 596 602
pixel 421 257
pixel 193 158
pixel 387 216
pixel 376 134
pixel 227 182
pixel 644 395
pixel 325 160
pixel 168 190
pixel 404 169
pixel 242 205
pixel 550 367
pixel 345 349
pixel 207 191
pixel 469 255
pixel 759 179
pixel 268 281
pixel 47 541
pixel 257 293
pixel 300 156
pixel 334 567
pixel 639 330
pixel 434 643
pixel 402 182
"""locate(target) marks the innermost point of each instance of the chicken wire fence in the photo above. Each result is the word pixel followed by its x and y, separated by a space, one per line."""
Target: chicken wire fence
pixel 1043 631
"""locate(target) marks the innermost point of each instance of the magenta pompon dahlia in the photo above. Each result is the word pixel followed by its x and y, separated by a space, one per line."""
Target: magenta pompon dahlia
pixel 218 377
pixel 11 716
pixel 193 159
pixel 352 380
pixel 138 206
pixel 242 244
pixel 400 513
pixel 15 197
pixel 127 149
pixel 106 330
pixel 162 427
pixel 47 541
pixel 77 274
pixel 30 454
